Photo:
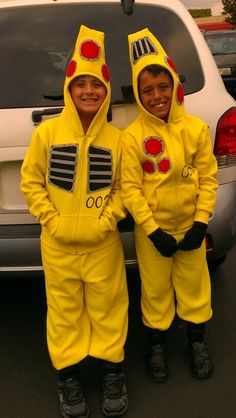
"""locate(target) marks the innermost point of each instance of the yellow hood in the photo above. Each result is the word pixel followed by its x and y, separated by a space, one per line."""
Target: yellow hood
pixel 88 58
pixel 144 50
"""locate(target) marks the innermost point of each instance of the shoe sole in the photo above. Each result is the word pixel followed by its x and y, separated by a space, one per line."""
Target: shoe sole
pixel 202 377
pixel 115 414
pixel 69 416
pixel 157 379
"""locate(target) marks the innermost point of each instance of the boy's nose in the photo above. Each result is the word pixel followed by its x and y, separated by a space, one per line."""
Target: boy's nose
pixel 156 93
pixel 88 88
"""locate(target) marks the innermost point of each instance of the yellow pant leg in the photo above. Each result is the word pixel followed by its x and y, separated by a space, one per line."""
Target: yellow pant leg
pixel 185 275
pixel 68 326
pixel 106 298
pixel 192 285
pixel 157 292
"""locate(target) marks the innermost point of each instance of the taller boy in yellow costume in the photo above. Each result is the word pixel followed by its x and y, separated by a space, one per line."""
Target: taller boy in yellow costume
pixel 71 182
pixel 169 186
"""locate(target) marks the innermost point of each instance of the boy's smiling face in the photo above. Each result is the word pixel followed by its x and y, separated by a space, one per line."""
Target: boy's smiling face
pixel 155 93
pixel 88 93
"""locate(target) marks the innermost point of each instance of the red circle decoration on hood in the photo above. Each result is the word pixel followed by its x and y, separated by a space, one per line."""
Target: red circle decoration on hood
pixel 89 50
pixel 180 94
pixel 71 68
pixel 164 165
pixel 148 166
pixel 105 73
pixel 153 146
pixel 171 64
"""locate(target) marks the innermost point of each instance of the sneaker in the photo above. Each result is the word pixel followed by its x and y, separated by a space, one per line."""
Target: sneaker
pixel 156 363
pixel 72 400
pixel 115 398
pixel 200 360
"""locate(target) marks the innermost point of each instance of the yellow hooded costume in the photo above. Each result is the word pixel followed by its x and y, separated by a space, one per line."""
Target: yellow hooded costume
pixel 168 182
pixel 71 182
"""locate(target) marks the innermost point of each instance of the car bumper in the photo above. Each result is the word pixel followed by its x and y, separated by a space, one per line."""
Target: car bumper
pixel 20 244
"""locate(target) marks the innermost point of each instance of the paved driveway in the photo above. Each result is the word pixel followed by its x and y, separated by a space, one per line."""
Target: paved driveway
pixel 28 380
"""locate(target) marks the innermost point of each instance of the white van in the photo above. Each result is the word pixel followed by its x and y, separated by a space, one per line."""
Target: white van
pixel 36 41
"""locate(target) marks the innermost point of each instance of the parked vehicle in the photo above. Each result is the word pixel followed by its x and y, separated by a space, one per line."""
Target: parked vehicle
pixel 34 56
pixel 223 47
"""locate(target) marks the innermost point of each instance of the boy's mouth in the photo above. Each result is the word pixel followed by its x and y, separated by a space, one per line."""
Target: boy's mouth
pixel 89 100
pixel 159 105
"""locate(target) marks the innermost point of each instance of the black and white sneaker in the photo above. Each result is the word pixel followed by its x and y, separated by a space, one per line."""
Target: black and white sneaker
pixel 115 397
pixel 72 401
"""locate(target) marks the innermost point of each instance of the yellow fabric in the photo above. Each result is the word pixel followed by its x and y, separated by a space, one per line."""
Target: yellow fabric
pixel 169 196
pixel 71 183
pixel 177 284
pixel 168 180
pixel 87 305
pixel 80 214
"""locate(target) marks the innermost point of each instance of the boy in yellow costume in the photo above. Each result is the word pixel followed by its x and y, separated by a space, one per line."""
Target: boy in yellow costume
pixel 169 187
pixel 71 182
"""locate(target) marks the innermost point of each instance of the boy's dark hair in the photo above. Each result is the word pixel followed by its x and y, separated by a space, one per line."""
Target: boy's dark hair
pixel 155 70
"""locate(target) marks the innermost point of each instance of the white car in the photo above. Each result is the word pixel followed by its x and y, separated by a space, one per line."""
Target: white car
pixel 35 44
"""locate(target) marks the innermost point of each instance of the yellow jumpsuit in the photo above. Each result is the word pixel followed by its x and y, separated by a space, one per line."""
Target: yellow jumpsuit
pixel 168 181
pixel 71 182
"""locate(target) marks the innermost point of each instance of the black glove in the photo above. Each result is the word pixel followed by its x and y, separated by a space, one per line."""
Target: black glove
pixel 165 243
pixel 194 237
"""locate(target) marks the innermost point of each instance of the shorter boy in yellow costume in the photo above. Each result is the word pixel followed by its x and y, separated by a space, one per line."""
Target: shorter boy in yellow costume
pixel 169 187
pixel 71 182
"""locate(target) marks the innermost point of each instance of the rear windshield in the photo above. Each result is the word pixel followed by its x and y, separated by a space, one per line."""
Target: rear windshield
pixel 36 44
pixel 222 43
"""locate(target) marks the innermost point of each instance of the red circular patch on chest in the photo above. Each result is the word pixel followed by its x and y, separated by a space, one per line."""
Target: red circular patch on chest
pixel 148 166
pixel 164 165
pixel 153 146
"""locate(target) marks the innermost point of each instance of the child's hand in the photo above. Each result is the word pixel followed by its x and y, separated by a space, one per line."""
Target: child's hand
pixel 165 243
pixel 194 237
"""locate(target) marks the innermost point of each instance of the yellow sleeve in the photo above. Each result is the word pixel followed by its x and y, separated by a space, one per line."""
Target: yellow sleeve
pixel 132 187
pixel 33 183
pixel 206 164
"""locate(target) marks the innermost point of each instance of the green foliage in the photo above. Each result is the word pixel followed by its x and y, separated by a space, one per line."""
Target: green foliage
pixel 199 12
pixel 229 9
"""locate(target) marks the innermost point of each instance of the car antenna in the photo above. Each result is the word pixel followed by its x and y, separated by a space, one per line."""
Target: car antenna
pixel 127 6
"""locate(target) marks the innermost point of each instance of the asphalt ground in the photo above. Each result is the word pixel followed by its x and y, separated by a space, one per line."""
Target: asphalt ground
pixel 28 381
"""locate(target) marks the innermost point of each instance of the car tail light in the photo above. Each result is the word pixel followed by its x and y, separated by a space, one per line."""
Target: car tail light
pixel 225 143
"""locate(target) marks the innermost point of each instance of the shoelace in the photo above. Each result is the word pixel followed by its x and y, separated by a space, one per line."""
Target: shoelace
pixel 74 391
pixel 201 350
pixel 112 385
pixel 157 355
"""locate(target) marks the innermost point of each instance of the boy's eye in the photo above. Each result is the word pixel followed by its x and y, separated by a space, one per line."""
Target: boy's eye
pixel 147 91
pixel 79 83
pixel 97 84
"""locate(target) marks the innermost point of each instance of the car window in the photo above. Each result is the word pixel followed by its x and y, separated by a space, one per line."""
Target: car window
pixel 38 45
pixel 222 42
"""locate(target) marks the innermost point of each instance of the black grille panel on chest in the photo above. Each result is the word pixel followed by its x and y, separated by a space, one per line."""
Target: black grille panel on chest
pixel 62 166
pixel 100 168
